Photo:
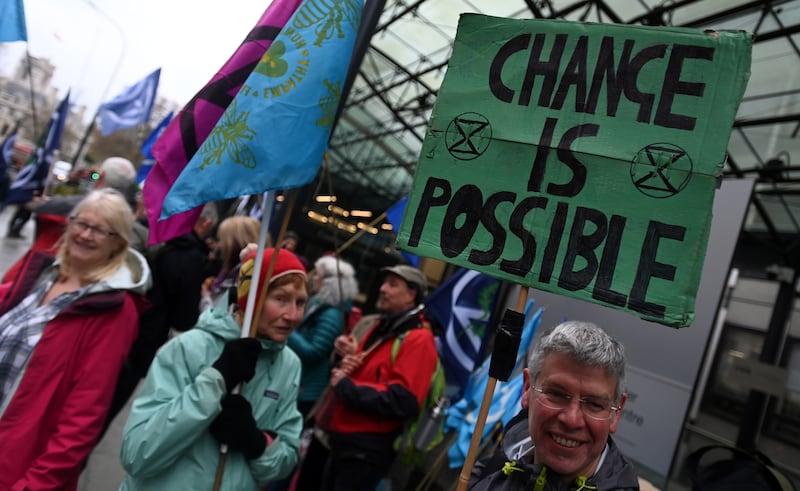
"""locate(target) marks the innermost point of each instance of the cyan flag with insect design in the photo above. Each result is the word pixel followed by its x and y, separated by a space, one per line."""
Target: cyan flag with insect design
pixel 275 131
pixel 191 126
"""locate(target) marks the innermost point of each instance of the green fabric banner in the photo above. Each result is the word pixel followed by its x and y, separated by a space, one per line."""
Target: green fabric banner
pixel 579 158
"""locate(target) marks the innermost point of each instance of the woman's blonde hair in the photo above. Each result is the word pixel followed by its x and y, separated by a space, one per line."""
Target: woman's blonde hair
pixel 233 234
pixel 112 207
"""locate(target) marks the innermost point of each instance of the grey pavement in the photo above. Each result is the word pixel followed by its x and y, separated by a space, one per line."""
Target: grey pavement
pixel 12 249
pixel 103 472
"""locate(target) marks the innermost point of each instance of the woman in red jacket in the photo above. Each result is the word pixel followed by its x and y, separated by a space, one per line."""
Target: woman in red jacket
pixel 66 325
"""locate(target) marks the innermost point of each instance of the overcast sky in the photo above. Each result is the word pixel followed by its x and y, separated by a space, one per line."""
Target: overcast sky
pixel 99 47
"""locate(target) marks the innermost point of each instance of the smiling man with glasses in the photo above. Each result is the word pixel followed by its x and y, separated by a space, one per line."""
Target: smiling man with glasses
pixel 574 395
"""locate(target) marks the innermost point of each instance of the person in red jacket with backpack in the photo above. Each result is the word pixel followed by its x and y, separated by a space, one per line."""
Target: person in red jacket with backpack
pixel 374 394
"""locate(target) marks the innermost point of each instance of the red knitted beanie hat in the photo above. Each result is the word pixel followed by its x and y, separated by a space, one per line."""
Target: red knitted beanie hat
pixel 286 263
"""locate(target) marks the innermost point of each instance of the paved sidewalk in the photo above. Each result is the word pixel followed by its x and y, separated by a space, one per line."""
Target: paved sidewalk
pixel 13 249
pixel 104 472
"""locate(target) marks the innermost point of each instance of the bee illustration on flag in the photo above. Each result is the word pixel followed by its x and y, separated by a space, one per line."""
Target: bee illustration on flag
pixel 274 133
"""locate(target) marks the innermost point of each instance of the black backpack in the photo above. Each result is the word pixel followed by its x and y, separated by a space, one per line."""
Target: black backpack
pixel 724 468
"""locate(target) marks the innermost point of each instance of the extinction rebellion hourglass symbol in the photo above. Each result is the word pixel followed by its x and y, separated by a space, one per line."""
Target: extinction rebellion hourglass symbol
pixel 468 136
pixel 661 170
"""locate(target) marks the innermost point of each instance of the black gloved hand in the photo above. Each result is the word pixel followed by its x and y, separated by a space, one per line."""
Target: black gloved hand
pixel 236 427
pixel 237 363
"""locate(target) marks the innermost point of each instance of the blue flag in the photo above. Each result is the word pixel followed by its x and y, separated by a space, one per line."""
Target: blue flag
pixel 462 416
pixel 144 169
pixel 12 21
pixel 463 306
pixel 394 215
pixel 7 150
pixel 131 107
pixel 33 176
pixel 274 133
pixel 6 154
pixel 147 148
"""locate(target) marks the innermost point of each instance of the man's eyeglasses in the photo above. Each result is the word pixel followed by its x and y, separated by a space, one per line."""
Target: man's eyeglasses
pixel 593 407
pixel 82 226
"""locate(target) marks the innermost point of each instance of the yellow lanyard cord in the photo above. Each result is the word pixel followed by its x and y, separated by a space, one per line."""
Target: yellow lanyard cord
pixel 510 467
pixel 541 480
pixel 581 482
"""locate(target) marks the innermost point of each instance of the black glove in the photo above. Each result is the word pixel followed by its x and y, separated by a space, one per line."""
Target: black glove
pixel 237 363
pixel 236 428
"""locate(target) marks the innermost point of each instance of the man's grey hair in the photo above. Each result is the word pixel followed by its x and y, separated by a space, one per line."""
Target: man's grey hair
pixel 586 343
pixel 210 213
pixel 118 173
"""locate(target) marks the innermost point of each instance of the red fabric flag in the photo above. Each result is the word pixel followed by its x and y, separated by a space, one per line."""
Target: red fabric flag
pixel 194 122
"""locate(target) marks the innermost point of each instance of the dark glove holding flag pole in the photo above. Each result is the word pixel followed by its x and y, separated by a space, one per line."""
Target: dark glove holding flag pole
pixel 237 363
pixel 236 427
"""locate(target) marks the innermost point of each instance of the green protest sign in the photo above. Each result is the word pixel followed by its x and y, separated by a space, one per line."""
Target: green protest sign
pixel 579 158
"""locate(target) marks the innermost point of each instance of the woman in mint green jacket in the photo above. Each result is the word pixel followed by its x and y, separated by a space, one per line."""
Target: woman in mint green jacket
pixel 186 407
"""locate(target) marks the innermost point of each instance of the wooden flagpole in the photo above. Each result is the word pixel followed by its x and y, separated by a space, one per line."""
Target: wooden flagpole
pixel 361 232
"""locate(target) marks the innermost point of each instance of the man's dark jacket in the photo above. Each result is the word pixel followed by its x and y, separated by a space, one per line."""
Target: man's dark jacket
pixel 506 474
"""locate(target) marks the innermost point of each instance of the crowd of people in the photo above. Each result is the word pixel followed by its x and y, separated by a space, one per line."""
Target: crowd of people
pixel 90 314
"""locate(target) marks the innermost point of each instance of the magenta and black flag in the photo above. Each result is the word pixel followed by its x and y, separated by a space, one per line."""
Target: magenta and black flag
pixel 275 131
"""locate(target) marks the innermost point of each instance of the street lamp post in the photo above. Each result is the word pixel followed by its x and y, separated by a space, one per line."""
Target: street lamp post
pixel 122 50
pixel 117 66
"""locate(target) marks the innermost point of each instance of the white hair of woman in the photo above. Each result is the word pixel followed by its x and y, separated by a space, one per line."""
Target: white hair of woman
pixel 337 280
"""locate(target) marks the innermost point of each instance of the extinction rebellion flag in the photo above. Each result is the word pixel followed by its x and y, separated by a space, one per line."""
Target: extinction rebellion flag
pixel 187 131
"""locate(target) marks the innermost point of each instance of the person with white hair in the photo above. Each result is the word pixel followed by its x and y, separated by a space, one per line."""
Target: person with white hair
pixel 115 173
pixel 334 286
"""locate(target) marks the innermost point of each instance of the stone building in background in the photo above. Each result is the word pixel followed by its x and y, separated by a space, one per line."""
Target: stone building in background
pixel 26 91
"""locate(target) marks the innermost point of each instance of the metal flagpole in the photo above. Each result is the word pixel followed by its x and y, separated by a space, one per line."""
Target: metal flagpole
pixel 30 85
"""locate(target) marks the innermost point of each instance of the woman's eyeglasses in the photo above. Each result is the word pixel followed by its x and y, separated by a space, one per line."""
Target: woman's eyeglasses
pixel 595 408
pixel 82 226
